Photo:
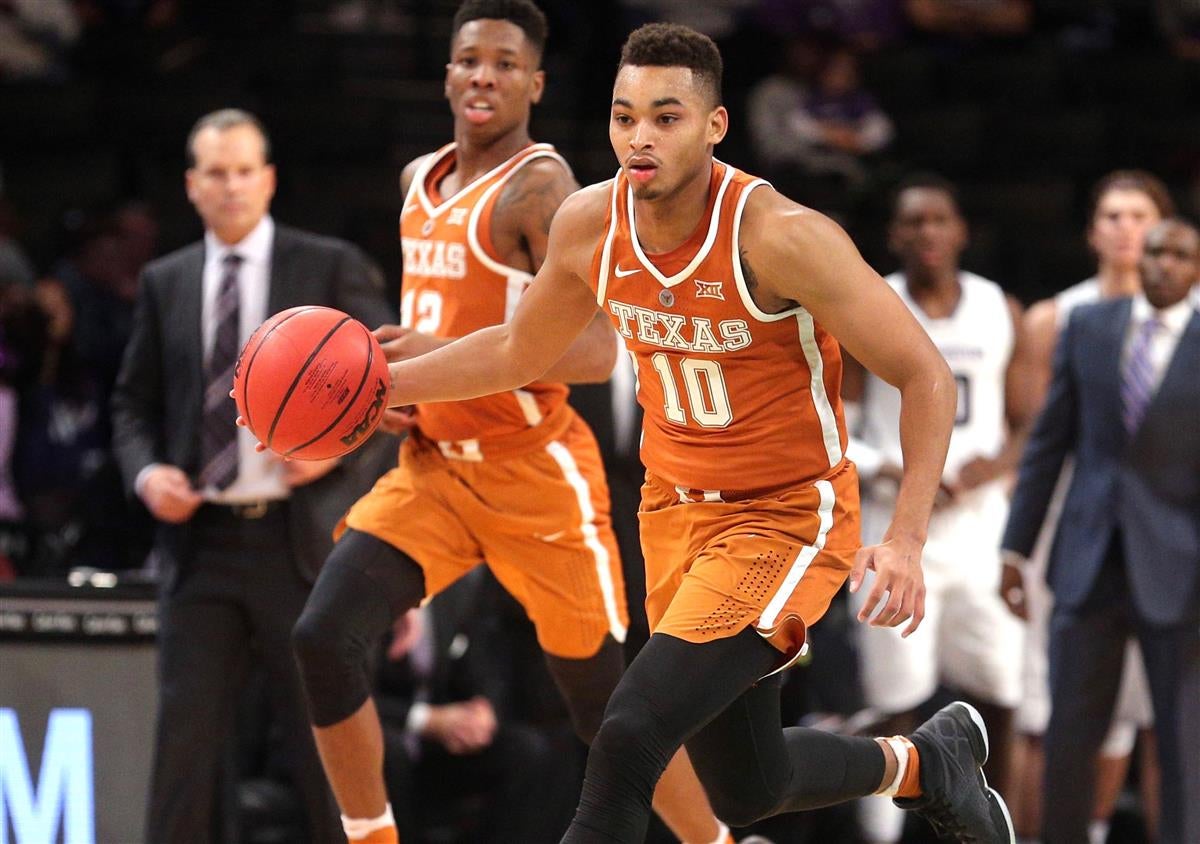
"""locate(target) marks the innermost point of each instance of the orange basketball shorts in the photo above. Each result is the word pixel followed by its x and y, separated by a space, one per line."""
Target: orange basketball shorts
pixel 540 520
pixel 717 562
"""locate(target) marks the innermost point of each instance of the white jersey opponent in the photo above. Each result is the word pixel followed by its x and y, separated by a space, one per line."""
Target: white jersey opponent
pixel 977 342
pixel 968 637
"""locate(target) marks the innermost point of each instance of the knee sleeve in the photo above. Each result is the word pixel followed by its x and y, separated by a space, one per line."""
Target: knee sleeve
pixel 587 684
pixel 362 587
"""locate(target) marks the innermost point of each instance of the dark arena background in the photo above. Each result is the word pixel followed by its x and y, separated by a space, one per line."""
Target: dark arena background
pixel 1024 105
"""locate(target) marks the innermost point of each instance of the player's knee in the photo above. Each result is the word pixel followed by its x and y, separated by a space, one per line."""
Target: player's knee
pixel 738 805
pixel 632 735
pixel 333 662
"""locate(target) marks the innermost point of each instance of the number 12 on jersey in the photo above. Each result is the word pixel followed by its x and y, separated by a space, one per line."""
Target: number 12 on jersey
pixel 704 383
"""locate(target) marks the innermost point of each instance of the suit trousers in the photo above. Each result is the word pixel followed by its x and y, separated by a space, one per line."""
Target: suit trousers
pixel 233 605
pixel 1087 644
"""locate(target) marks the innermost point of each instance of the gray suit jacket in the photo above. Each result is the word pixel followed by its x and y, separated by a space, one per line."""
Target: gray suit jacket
pixel 158 395
pixel 1146 486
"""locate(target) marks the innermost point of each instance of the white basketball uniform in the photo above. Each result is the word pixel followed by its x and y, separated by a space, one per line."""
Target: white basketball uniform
pixel 968 638
pixel 1133 710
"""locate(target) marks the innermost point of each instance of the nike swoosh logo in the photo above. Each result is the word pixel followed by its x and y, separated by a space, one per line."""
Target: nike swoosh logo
pixel 550 537
pixel 622 273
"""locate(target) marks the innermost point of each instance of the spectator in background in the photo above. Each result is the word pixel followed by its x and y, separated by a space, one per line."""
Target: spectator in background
pixel 34 38
pixel 15 266
pixel 815 126
pixel 867 25
pixel 970 19
pixel 442 686
pixel 102 294
pixel 715 18
pixel 1179 22
pixel 62 444
pixel 21 339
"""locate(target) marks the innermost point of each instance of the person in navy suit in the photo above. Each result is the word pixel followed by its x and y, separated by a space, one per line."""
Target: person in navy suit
pixel 1124 403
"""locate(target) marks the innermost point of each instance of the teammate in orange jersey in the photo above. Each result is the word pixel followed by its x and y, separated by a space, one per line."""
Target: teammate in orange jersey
pixel 730 297
pixel 515 479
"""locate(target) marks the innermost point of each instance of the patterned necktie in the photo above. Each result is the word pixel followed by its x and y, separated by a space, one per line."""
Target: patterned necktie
pixel 219 458
pixel 1137 378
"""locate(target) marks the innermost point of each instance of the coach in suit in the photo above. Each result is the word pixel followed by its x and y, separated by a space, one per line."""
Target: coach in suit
pixel 1124 403
pixel 241 533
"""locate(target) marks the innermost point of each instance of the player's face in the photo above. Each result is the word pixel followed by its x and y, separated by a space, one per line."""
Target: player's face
pixel 492 79
pixel 231 184
pixel 1123 216
pixel 663 128
pixel 1170 263
pixel 927 231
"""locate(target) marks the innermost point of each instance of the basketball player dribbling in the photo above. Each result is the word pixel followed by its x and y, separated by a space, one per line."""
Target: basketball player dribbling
pixel 514 479
pixel 730 296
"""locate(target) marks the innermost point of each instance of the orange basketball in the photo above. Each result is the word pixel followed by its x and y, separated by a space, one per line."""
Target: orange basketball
pixel 311 383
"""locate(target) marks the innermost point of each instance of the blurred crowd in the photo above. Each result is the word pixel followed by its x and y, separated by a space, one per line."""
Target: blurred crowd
pixel 814 127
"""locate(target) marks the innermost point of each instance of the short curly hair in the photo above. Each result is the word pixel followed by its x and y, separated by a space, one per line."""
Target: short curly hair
pixel 1132 180
pixel 522 13
pixel 673 45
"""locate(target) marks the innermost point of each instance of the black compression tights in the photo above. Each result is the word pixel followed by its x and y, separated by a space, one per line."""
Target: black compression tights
pixel 363 586
pixel 704 695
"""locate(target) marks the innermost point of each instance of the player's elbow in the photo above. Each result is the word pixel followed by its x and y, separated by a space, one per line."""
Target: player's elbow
pixel 598 364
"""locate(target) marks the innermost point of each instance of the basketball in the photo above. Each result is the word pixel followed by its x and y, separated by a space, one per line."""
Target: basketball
pixel 311 383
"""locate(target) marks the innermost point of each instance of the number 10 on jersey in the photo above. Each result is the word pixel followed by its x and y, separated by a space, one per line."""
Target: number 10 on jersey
pixel 704 383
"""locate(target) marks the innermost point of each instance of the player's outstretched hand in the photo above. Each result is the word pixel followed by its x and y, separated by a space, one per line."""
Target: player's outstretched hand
pixel 897 567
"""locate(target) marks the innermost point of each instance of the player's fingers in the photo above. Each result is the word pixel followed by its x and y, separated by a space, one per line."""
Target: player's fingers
pixel 873 598
pixel 859 570
pixel 894 612
pixel 918 612
pixel 240 422
pixel 384 333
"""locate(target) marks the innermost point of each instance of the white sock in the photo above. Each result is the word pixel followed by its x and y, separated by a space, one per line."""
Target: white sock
pixel 900 748
pixel 1098 832
pixel 722 832
pixel 359 828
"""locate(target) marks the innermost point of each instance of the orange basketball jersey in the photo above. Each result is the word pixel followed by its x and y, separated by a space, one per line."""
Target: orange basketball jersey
pixel 735 399
pixel 454 284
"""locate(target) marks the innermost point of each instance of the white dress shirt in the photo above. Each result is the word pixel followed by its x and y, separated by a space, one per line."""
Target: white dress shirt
pixel 260 474
pixel 1162 347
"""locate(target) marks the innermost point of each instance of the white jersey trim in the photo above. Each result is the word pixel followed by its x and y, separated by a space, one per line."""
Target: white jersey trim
pixel 816 385
pixel 606 253
pixel 435 211
pixel 807 554
pixel 739 277
pixel 591 537
pixel 806 330
pixel 714 224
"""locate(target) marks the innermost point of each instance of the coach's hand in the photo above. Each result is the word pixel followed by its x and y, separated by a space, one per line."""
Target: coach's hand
pixel 168 494
pixel 466 727
pixel 897 566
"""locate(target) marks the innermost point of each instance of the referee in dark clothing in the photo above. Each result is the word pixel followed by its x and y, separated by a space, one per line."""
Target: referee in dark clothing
pixel 240 533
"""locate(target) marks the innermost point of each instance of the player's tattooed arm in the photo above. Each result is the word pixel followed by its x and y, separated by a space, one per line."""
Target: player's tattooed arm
pixel 525 209
pixel 765 300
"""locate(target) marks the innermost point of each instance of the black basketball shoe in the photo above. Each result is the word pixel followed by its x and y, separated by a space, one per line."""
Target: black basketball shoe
pixel 955 797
